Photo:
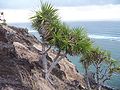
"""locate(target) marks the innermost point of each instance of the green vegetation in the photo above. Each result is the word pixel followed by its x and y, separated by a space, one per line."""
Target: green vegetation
pixel 102 63
pixel 73 41
pixel 59 36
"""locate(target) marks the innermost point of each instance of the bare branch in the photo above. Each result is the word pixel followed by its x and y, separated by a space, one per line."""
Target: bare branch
pixel 40 52
pixel 103 75
pixel 47 49
pixel 108 78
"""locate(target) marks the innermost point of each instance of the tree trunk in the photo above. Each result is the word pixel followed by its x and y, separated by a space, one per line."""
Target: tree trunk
pixel 87 78
pixel 97 77
pixel 54 63
pixel 44 60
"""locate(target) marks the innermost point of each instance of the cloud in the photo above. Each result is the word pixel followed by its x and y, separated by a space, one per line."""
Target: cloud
pixel 19 4
pixel 23 4
pixel 90 13
pixel 17 15
pixel 82 13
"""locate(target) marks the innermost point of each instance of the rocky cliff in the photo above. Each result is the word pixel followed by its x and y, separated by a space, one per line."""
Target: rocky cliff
pixel 19 67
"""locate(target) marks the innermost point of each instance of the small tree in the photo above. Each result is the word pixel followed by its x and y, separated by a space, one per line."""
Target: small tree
pixel 102 63
pixel 57 34
pixel 45 21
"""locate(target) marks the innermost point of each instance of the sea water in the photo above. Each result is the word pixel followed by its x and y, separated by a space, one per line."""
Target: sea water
pixel 105 34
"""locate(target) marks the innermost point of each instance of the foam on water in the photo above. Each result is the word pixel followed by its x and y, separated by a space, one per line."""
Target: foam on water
pixel 104 37
pixel 32 31
pixel 92 36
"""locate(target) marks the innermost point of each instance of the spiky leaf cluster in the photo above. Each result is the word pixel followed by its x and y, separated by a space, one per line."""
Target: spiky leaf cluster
pixel 45 20
pixel 72 41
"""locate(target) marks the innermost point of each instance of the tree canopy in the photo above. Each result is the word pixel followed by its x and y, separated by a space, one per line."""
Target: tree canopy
pixel 72 41
pixel 57 34
pixel 67 40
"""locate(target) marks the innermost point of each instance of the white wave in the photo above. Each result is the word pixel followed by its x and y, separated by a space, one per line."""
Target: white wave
pixel 104 37
pixel 93 36
pixel 32 31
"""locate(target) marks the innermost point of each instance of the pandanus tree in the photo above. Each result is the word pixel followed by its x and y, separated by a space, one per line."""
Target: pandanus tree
pixel 102 65
pixel 45 21
pixel 63 39
pixel 99 57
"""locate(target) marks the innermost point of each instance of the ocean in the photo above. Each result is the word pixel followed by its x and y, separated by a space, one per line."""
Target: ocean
pixel 105 34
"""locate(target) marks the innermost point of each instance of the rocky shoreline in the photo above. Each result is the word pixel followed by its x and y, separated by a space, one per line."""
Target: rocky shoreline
pixel 20 70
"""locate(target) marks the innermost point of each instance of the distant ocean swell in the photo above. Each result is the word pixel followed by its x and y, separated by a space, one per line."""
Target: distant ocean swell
pixel 104 37
pixel 93 36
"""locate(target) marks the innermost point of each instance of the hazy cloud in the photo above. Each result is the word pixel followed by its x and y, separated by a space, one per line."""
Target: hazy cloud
pixel 70 10
pixel 82 13
pixel 22 4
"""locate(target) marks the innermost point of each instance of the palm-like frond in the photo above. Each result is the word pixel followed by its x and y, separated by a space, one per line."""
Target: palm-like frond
pixel 45 20
pixel 48 12
pixel 72 41
pixel 81 41
pixel 60 37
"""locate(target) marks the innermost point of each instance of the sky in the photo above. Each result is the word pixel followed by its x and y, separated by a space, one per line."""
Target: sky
pixel 69 10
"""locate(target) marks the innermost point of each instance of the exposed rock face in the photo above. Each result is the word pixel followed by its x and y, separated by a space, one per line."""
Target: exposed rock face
pixel 19 68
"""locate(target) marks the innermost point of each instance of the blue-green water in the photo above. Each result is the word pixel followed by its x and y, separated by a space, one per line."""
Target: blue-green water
pixel 104 34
